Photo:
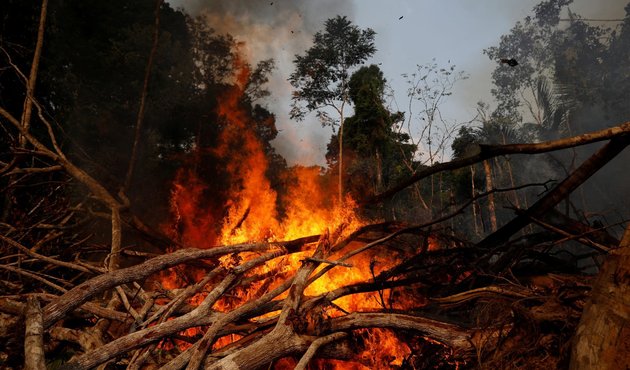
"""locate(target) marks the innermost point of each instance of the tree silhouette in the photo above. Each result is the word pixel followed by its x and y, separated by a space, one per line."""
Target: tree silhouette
pixel 322 75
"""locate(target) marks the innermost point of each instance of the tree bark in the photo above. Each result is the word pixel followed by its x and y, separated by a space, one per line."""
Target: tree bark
pixel 491 207
pixel 602 339
pixel 34 336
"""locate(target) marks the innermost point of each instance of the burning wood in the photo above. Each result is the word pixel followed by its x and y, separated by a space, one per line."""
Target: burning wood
pixel 339 295
pixel 265 325
pixel 310 283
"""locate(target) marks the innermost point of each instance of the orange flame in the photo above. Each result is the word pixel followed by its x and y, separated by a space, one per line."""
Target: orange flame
pixel 252 214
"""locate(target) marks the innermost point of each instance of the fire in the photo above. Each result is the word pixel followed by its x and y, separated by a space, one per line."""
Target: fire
pixel 197 224
pixel 252 213
pixel 383 349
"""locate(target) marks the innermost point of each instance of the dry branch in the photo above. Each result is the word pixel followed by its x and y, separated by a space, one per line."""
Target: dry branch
pixel 456 337
pixel 43 258
pixel 34 336
pixel 270 325
pixel 201 315
pixel 557 194
pixel 491 151
pixel 32 79
pixel 317 343
pixel 81 293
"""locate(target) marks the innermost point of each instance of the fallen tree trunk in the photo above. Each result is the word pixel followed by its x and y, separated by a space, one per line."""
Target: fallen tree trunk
pixel 561 191
pixel 602 338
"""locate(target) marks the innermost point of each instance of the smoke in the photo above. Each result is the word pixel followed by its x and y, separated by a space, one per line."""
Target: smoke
pixel 268 12
pixel 610 9
pixel 277 29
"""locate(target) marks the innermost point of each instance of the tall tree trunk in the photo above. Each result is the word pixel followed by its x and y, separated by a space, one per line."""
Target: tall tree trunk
pixel 517 201
pixel 602 339
pixel 491 207
pixel 341 153
pixel 379 172
pixel 143 97
pixel 508 164
pixel 473 194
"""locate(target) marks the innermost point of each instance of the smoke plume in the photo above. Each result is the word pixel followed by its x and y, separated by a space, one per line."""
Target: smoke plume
pixel 277 29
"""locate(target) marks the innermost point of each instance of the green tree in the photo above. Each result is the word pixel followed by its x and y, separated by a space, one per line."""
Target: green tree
pixel 90 83
pixel 571 78
pixel 322 75
pixel 372 145
pixel 529 42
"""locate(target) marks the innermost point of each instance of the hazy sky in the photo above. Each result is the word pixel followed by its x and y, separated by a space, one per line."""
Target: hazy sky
pixel 455 30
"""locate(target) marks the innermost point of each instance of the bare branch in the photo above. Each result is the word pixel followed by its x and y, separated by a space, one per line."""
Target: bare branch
pixel 490 151
pixel 30 87
pixel 317 343
pixel 575 179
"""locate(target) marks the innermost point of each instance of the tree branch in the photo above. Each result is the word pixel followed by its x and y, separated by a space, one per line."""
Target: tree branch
pixel 491 151
pixel 575 179
pixel 143 96
pixel 32 79
pixel 317 343
pixel 34 336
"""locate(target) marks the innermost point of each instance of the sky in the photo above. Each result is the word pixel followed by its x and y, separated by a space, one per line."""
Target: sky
pixel 455 31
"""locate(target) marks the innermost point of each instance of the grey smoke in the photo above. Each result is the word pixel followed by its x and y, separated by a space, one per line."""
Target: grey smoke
pixel 273 13
pixel 277 29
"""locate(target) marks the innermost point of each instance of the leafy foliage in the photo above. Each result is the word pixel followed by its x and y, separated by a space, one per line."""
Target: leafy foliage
pixel 91 79
pixel 321 75
pixel 375 149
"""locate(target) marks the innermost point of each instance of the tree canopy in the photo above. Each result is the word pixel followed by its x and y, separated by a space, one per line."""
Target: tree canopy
pixel 374 148
pixel 322 74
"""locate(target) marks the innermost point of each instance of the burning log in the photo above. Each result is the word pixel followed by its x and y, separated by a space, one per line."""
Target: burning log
pixel 290 334
pixel 317 284
pixel 287 332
